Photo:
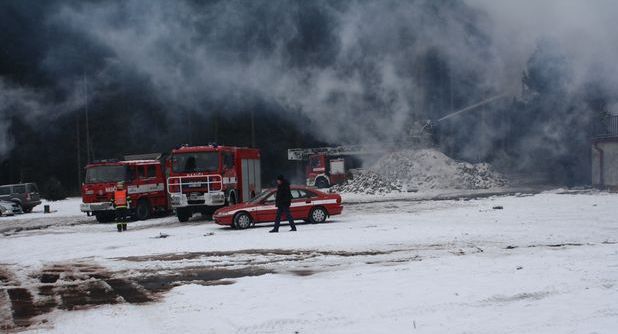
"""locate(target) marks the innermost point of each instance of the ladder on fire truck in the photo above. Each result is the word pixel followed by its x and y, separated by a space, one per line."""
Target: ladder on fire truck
pixel 301 154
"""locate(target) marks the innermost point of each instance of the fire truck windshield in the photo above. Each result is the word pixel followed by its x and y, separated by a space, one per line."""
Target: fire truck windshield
pixel 196 162
pixel 100 174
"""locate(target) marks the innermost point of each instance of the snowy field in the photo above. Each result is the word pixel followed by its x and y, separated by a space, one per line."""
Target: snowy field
pixel 66 208
pixel 546 263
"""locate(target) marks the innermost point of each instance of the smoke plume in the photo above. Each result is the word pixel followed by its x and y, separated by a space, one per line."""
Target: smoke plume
pixel 352 68
pixel 347 72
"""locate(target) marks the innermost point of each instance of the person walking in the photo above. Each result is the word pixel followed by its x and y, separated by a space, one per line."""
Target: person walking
pixel 121 203
pixel 283 200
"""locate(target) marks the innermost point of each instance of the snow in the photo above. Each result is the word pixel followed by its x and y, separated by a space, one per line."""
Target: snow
pixel 64 208
pixel 545 263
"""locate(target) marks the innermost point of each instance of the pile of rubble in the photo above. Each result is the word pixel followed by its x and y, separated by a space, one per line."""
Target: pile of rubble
pixel 366 182
pixel 422 170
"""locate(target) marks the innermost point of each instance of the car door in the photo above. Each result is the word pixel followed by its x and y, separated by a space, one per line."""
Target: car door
pixel 19 193
pixel 148 180
pixel 301 204
pixel 311 199
pixel 34 192
pixel 267 210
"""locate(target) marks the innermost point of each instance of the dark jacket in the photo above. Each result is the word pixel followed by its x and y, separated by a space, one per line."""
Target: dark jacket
pixel 284 195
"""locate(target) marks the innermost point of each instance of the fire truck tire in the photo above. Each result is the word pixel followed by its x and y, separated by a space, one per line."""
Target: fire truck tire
pixel 318 215
pixel 142 212
pixel 242 220
pixel 183 214
pixel 321 183
pixel 105 217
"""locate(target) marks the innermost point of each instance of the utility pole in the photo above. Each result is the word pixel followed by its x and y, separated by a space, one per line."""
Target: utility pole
pixel 79 160
pixel 88 148
pixel 450 86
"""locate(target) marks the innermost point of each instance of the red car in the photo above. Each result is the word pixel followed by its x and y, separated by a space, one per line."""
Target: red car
pixel 307 204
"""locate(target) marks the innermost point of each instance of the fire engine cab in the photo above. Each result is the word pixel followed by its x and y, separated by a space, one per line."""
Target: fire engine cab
pixel 327 166
pixel 205 178
pixel 144 180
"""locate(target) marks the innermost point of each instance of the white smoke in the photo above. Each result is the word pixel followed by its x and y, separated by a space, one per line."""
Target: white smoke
pixel 353 69
pixel 583 30
pixel 31 106
pixel 359 84
pixel 6 142
pixel 14 101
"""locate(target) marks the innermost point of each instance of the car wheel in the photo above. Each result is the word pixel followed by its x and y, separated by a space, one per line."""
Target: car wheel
pixel 321 183
pixel 183 214
pixel 28 210
pixel 142 212
pixel 242 220
pixel 318 215
pixel 20 207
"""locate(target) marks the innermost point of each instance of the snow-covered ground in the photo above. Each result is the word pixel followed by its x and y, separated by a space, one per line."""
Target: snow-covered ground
pixel 64 212
pixel 437 194
pixel 65 208
pixel 546 263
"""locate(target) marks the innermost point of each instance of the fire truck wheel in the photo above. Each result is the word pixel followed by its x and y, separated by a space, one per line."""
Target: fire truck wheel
pixel 321 183
pixel 183 214
pixel 142 212
pixel 318 215
pixel 242 220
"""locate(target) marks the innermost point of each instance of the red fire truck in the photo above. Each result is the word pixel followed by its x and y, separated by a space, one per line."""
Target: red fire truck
pixel 144 180
pixel 329 165
pixel 205 178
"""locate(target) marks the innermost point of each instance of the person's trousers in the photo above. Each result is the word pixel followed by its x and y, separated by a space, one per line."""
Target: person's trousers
pixel 122 216
pixel 285 210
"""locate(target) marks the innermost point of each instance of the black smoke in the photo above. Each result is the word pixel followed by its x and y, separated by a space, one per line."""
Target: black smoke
pixel 151 75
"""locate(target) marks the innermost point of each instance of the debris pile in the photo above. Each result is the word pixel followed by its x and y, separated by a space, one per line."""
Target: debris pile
pixel 425 169
pixel 364 181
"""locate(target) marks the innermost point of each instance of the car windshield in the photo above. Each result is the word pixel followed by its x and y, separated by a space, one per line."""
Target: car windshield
pixel 195 162
pixel 261 196
pixel 99 174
